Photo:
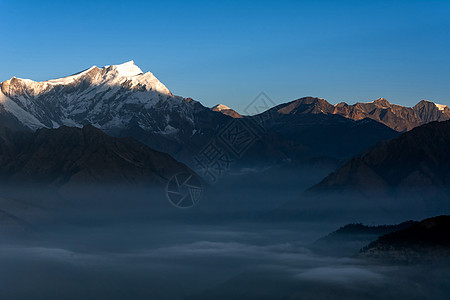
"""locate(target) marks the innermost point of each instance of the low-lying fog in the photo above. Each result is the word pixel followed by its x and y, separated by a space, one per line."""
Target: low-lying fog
pixel 116 244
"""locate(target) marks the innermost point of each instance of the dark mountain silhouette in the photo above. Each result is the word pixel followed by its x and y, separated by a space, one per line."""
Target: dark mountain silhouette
pixel 69 155
pixel 356 229
pixel 423 241
pixel 348 239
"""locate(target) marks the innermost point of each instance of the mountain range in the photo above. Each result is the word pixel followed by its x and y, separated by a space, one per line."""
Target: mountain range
pixel 397 117
pixel 118 96
pixel 123 101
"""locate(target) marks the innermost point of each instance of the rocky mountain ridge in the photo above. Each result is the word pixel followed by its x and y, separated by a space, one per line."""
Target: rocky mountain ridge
pixel 397 117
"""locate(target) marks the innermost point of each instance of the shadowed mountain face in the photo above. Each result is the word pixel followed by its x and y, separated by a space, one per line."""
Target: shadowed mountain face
pixel 69 155
pixel 419 158
pixel 399 118
pixel 423 241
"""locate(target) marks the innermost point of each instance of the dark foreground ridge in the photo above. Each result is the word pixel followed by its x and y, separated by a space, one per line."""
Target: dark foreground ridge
pixel 423 241
pixel 69 155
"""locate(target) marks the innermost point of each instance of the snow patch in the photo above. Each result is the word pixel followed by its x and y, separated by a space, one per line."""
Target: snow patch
pixel 23 116
pixel 220 107
pixel 54 124
pixel 128 69
pixel 169 130
pixel 65 80
pixel 440 106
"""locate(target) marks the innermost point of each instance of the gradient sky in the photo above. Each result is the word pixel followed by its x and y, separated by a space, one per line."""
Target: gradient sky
pixel 230 51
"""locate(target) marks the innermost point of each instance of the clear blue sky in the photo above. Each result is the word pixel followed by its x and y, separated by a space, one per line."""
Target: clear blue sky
pixel 228 52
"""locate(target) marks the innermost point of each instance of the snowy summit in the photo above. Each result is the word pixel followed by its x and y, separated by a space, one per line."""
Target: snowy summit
pixel 110 98
pixel 220 107
pixel 127 69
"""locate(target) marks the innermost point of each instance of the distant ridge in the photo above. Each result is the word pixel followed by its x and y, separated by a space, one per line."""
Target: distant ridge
pixel 397 117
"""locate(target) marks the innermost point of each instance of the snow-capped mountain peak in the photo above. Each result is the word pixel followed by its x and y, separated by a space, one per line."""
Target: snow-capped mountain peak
pixel 220 107
pixel 109 98
pixel 128 69
pixel 113 75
